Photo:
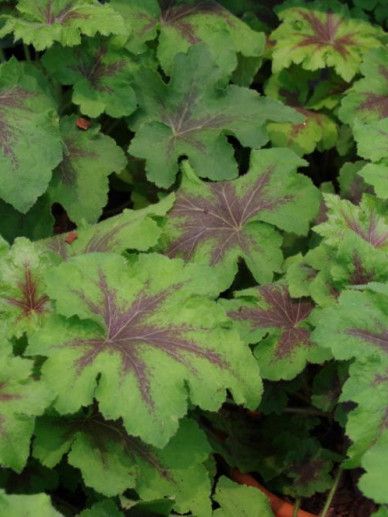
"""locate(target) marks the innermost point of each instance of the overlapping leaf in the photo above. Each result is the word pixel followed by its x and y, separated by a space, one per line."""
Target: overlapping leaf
pixel 322 34
pixel 148 340
pixel 180 24
pixel 268 316
pixel 219 222
pixel 80 183
pixel 112 462
pixel 30 145
pixel 100 73
pixel 131 230
pixel 21 400
pixel 43 22
pixel 191 116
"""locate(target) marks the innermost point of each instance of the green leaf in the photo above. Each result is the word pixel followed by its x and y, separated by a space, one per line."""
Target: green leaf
pixel 372 139
pixel 179 25
pixel 244 501
pixel 21 400
pixel 367 386
pixel 191 116
pixel 112 462
pixel 104 508
pixel 30 145
pixel 13 505
pixel 100 73
pixel 356 327
pixel 367 99
pixel 322 34
pixel 42 22
pixel 131 230
pixel 140 327
pixel 268 316
pixel 80 183
pixel 376 174
pixel 217 223
pixel 315 130
pixel 23 301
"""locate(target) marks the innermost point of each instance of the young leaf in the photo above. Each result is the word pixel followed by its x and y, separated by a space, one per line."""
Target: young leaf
pixel 21 400
pixel 131 230
pixel 43 22
pixel 80 183
pixel 217 223
pixel 244 501
pixel 112 462
pixel 372 139
pixel 367 99
pixel 191 116
pixel 267 315
pixel 100 73
pixel 376 174
pixel 23 301
pixel 16 505
pixel 315 130
pixel 146 330
pixel 180 24
pixel 30 145
pixel 322 34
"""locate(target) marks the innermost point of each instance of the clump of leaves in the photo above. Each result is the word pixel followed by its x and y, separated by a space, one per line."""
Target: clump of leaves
pixel 193 257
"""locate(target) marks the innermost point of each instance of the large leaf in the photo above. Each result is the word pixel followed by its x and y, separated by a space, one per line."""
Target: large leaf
pixel 111 461
pixel 16 505
pixel 42 22
pixel 30 145
pixel 100 73
pixel 191 116
pixel 243 501
pixel 147 340
pixel 131 230
pixel 21 400
pixel 179 24
pixel 267 315
pixel 80 183
pixel 372 139
pixel 367 99
pixel 219 222
pixel 322 34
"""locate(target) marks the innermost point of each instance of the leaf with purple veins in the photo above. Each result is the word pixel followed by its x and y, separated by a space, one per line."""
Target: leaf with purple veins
pixel 268 316
pixel 144 339
pixel 218 223
pixel 43 22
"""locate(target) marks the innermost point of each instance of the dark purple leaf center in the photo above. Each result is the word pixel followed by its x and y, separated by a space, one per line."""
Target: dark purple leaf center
pixel 221 217
pixel 30 301
pixel 370 233
pixel 128 332
pixel 379 339
pixel 6 397
pixel 325 33
pixel 95 70
pixel 50 15
pixel 282 312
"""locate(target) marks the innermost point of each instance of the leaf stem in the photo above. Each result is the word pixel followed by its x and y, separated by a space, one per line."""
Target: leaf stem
pixel 27 53
pixel 297 503
pixel 331 494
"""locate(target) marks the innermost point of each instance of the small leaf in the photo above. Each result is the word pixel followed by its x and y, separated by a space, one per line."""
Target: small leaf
pixel 15 505
pixel 101 76
pixel 322 34
pixel 240 500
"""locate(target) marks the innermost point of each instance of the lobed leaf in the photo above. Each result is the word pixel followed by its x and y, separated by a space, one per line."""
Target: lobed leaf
pixel 15 505
pixel 235 499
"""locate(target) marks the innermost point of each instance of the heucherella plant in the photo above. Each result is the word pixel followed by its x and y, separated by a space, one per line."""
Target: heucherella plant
pixel 193 258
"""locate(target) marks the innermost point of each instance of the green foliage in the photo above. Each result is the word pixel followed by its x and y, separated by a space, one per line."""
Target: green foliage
pixel 193 256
